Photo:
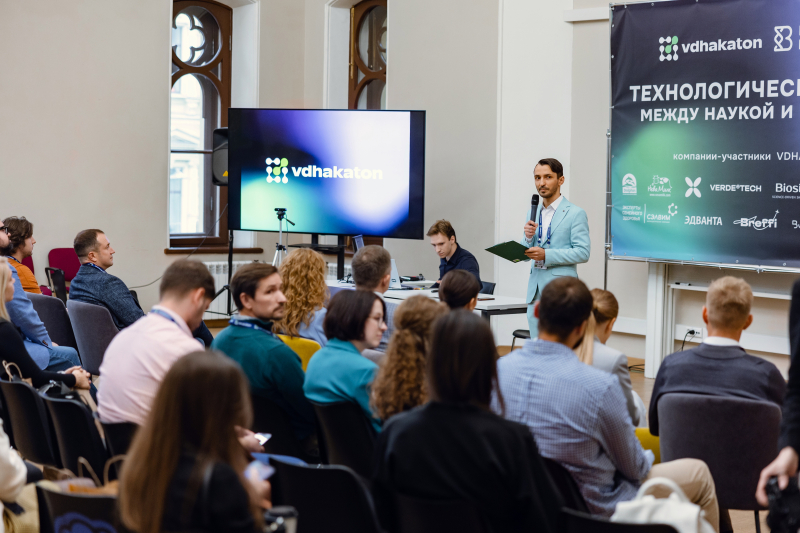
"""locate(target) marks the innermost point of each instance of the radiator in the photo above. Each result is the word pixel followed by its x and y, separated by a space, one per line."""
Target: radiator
pixel 219 269
pixel 332 270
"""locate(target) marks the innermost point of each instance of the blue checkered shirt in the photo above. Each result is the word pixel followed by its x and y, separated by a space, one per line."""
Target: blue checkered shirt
pixel 579 418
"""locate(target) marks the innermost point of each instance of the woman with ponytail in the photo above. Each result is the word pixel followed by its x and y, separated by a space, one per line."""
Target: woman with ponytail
pixel 400 384
pixel 594 352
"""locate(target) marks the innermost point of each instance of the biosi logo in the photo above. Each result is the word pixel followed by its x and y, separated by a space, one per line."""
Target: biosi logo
pixel 669 46
pixel 281 167
pixel 759 225
pixel 693 187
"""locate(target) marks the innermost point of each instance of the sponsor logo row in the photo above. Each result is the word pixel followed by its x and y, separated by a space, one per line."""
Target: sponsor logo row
pixel 663 187
pixel 659 215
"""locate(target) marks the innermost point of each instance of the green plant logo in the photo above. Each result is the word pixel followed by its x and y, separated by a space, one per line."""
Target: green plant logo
pixel 668 48
pixel 276 168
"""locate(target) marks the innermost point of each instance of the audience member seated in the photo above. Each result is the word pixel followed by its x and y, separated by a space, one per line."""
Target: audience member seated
pixel 94 285
pixel 272 368
pixel 719 366
pixel 400 384
pixel 140 355
pixel 459 290
pixel 44 352
pixel 594 352
pixel 20 246
pixel 451 255
pixel 578 415
pixel 12 349
pixel 303 274
pixel 13 475
pixel 338 372
pixel 185 470
pixel 455 449
pixel 372 271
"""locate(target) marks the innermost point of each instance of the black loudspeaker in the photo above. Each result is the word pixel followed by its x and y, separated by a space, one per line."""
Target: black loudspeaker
pixel 219 157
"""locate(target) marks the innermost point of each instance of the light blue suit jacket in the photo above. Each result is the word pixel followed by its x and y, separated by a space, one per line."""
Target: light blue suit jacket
pixel 569 245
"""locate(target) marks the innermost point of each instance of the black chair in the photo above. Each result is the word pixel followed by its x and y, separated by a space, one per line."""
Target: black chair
pixel 328 499
pixel 346 436
pixel 30 423
pixel 432 516
pixel 58 283
pixel 53 314
pixel 77 434
pixel 269 418
pixel 575 522
pixel 119 436
pixel 735 437
pixel 94 330
pixel 520 334
pixel 63 512
pixel 488 287
pixel 566 485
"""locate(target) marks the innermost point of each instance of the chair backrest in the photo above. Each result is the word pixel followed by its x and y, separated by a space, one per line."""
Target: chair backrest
pixel 55 277
pixel 346 436
pixel 328 499
pixel 488 287
pixel 269 418
pixel 77 434
pixel 67 260
pixel 735 437
pixel 304 348
pixel 94 328
pixel 431 516
pixel 576 522
pixel 119 436
pixel 53 314
pixel 63 512
pixel 566 485
pixel 28 262
pixel 30 423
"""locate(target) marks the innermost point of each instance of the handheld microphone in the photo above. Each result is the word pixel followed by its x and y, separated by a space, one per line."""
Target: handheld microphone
pixel 534 206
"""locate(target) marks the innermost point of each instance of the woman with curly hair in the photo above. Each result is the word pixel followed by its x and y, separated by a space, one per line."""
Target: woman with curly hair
pixel 303 277
pixel 400 384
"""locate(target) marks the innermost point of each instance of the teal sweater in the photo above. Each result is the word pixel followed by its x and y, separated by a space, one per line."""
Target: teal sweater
pixel 338 373
pixel 273 370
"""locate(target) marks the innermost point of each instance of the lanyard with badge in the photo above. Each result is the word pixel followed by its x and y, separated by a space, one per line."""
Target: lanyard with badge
pixel 540 264
pixel 95 266
pixel 250 325
pixel 166 315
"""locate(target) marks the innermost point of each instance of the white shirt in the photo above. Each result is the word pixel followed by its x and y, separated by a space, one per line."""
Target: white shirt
pixel 547 217
pixel 136 362
pixel 720 341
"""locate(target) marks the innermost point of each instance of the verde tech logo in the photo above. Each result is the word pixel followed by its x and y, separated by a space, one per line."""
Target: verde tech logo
pixel 277 167
pixel 668 46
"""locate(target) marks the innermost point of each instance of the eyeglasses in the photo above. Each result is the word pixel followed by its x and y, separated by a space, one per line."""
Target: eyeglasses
pixel 378 319
pixel 4 229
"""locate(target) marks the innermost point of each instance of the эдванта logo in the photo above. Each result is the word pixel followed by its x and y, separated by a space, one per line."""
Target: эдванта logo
pixel 274 172
pixel 668 48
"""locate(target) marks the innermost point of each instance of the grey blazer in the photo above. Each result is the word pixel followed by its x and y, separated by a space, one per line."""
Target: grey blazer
pixel 615 362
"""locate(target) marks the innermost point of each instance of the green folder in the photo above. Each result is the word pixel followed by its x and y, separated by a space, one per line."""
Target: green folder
pixel 511 250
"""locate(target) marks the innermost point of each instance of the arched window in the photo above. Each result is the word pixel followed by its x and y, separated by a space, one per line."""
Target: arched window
pixel 200 98
pixel 367 55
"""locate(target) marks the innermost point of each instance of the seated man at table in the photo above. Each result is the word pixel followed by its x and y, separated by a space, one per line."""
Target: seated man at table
pixel 372 271
pixel 451 255
pixel 94 285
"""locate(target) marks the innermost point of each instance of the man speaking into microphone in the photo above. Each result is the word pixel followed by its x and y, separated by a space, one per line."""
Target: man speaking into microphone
pixel 556 234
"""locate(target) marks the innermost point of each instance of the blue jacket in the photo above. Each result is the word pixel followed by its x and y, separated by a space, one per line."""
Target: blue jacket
pixel 25 317
pixel 93 285
pixel 569 245
pixel 339 373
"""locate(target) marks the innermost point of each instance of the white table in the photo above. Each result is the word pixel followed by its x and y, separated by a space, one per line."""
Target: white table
pixel 488 304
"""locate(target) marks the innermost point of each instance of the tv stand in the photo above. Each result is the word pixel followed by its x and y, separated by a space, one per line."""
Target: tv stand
pixel 334 249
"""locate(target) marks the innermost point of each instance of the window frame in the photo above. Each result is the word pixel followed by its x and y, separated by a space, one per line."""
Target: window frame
pixel 224 17
pixel 357 15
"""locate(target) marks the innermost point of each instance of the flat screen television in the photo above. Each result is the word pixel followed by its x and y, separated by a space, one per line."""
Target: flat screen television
pixel 336 172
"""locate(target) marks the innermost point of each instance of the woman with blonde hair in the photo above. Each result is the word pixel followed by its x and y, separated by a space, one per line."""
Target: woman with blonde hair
pixel 185 470
pixel 303 278
pixel 12 349
pixel 400 384
pixel 594 352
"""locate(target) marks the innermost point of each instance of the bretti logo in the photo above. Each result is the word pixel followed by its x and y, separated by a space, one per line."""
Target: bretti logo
pixel 669 46
pixel 660 187
pixel 759 225
pixel 628 184
pixel 279 172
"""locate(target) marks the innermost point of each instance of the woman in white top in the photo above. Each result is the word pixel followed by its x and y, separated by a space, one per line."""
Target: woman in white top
pixel 593 351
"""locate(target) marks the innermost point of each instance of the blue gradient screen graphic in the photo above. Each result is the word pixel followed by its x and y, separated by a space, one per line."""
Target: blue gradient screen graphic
pixel 335 171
